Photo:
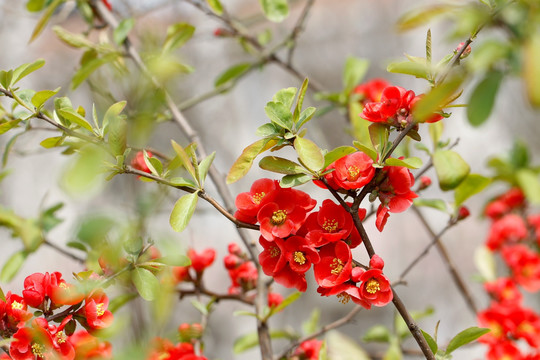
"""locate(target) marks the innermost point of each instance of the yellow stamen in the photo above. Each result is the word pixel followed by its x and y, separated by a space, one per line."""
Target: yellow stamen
pixel 299 257
pixel 330 225
pixel 336 266
pixel 257 198
pixel 372 286
pixel 274 251
pixel 279 217
pixel 61 337
pixel 526 327
pixel 100 309
pixel 353 172
pixel 38 349
pixel 343 298
pixel 17 305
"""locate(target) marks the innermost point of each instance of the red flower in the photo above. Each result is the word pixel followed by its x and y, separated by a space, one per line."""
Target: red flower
pixel 300 254
pixel 290 278
pixel 249 203
pixel 274 299
pixel 15 312
pixel 353 171
pixel 138 162
pixel 244 278
pixel 309 350
pixel 375 288
pixel 95 310
pixel 393 108
pixel 335 265
pixel 35 289
pixel 509 229
pixel 88 347
pixel 285 214
pixel 200 261
pixel 31 343
pixel 525 266
pixel 497 319
pixel 371 91
pixel 512 199
pixel 504 350
pixel 272 258
pixel 504 291
pixel 345 292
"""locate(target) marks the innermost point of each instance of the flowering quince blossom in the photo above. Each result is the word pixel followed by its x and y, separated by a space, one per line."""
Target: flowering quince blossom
pixel 524 264
pixel 274 299
pixel 371 91
pixel 138 162
pixel 394 193
pixel 95 310
pixel 351 171
pixel 309 350
pixel 511 200
pixel 89 347
pixel 375 288
pixel 504 291
pixel 249 203
pixel 508 229
pixel 242 272
pixel 163 349
pixel 335 265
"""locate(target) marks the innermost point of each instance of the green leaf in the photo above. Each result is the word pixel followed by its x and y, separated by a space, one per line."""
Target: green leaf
pixel 312 324
pixel 432 203
pixel 146 283
pixel 484 261
pixel 71 39
pixel 341 347
pixel 394 351
pixel 451 169
pixel 5 78
pixel 45 19
pixel 154 165
pixel 89 67
pixel 232 74
pixel 435 132
pixel 8 147
pixel 337 153
pixel 309 153
pixel 430 341
pixel 378 134
pixel 200 306
pixel 52 142
pixel 26 69
pixel 180 181
pixel 300 101
pixel 117 129
pixel 251 340
pixel 204 166
pixel 183 211
pixel 72 116
pixel 42 96
pixel 267 129
pixel 473 184
pixel 519 155
pixel 242 165
pixel 528 181
pixel 280 165
pixel 377 333
pixel 411 163
pixel 354 71
pixel 306 115
pixel 465 337
pixel 35 5
pixel 84 172
pixel 244 313
pixel 216 6
pixel 275 10
pixel 285 96
pixel 77 245
pixel 409 68
pixel 294 180
pixel 436 99
pixel 12 266
pixel 8 125
pixel 483 97
pixel 288 301
pixel 279 114
pixel 531 70
pixel 120 301
pixel 423 15
pixel 177 35
pixel 186 162
pixel 122 30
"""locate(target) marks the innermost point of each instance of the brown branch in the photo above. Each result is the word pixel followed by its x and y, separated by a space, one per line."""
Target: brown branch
pixel 456 277
pixel 242 298
pixel 63 251
pixel 297 30
pixel 338 323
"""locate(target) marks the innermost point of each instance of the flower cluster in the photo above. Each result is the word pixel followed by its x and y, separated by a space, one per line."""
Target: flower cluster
pixel 34 336
pixel 199 263
pixel 308 350
pixel 294 240
pixel 242 272
pixel 163 349
pixel 507 317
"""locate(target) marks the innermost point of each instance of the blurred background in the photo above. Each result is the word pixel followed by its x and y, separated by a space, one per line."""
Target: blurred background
pixel 334 30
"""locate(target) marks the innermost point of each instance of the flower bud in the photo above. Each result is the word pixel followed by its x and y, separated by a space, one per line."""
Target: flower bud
pixel 232 262
pixel 463 213
pixel 274 300
pixel 234 249
pixel 465 53
pixel 425 182
pixel 138 162
pixel 376 262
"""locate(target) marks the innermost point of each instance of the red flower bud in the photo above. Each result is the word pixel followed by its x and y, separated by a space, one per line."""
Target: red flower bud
pixel 232 262
pixel 463 213
pixel 425 182
pixel 138 162
pixel 234 249
pixel 465 53
pixel 274 299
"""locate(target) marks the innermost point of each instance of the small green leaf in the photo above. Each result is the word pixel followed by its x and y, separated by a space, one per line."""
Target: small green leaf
pixel 484 261
pixel 85 172
pixel 5 78
pixel 154 165
pixel 436 99
pixel 204 166
pixel 216 6
pixel 354 71
pixel 473 184
pixel 77 245
pixel 8 125
pixel 244 313
pixel 26 69
pixel 72 116
pixel 379 136
pixel 267 129
pixel 45 19
pixel 465 337
pixel 12 266
pixel 183 211
pixel 280 165
pixel 519 155
pixel 483 98
pixel 146 283
pixel 309 153
pixel 180 181
pixel 275 10
pixel 251 340
pixel 528 181
pixel 186 162
pixel 288 301
pixel 285 96
pixel 120 301
pixel 9 146
pixel 200 306
pixel 300 100
pixel 435 132
pixel 341 347
pixel 71 39
pixel 430 341
pixel 294 180
pixel 232 74
pixel 306 115
pixel 409 68
pixel 42 96
pixel 312 324
pixel 411 163
pixel 378 333
pixel 35 5
pixel 394 350
pixel 432 203
pixel 337 153
pixel 451 169
pixel 89 67
pixel 117 129
pixel 366 150
pixel 531 70
pixel 122 30
pixel 242 165
pixel 177 35
pixel 423 15
pixel 279 114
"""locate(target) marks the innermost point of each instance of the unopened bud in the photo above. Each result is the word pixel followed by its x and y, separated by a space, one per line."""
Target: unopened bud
pixel 232 262
pixel 465 53
pixel 274 299
pixel 188 332
pixel 221 32
pixel 463 213
pixel 234 249
pixel 425 182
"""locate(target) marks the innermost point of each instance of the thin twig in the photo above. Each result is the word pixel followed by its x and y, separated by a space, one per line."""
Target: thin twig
pixel 242 298
pixel 297 30
pixel 63 251
pixel 456 277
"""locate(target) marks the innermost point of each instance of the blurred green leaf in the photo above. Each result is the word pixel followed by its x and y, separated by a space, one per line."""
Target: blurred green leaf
pixel 377 333
pixel 88 67
pixel 288 301
pixel 177 35
pixel 435 132
pixel 465 337
pixel 275 10
pixel 531 70
pixel 519 155
pixel 483 97
pixel 451 169
pixel 341 347
pixel 354 71
pixel 423 15
pixel 529 182
pixel 183 211
pixel 432 203
pixel 311 325
pixel 232 74
pixel 251 340
pixel 120 301
pixel 12 266
pixel 242 165
pixel 5 78
pixel 72 39
pixel 45 19
pixel 48 219
pixel 484 261
pixel 122 30
pixel 8 125
pixel 27 230
pixel 309 153
pixel 216 6
pixel 26 69
pixel 409 68
pixel 411 163
pixel 394 350
pixel 473 184
pixel 85 170
pixel 35 5
pixel 146 283
pixel 280 165
pixel 440 96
